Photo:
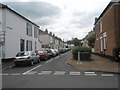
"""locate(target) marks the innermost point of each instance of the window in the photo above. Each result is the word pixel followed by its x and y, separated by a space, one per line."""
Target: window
pixel 35 32
pixel 101 44
pixel 105 44
pixel 29 29
pixel 22 43
pixel 35 45
pixel 100 26
pixel 28 45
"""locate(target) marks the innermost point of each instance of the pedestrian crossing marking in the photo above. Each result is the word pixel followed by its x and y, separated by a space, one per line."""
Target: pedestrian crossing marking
pixel 91 74
pixel 15 73
pixel 74 73
pixel 59 73
pixel 3 74
pixel 45 73
pixel 104 75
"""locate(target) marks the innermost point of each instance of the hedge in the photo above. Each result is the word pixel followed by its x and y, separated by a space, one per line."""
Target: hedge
pixel 79 49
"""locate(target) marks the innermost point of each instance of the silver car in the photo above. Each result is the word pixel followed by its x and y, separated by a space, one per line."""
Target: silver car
pixel 29 57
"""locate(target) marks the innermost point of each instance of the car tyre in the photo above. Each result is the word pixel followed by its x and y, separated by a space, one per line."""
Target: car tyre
pixel 31 63
pixel 39 60
pixel 16 64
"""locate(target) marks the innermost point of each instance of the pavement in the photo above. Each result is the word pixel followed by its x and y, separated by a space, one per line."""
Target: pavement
pixel 96 64
pixel 6 65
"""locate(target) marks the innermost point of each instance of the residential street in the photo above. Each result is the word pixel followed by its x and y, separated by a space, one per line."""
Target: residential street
pixel 55 73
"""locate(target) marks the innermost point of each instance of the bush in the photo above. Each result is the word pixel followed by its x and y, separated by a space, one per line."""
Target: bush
pixel 80 49
pixel 116 54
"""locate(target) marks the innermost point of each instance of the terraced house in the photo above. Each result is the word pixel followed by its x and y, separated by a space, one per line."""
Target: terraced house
pixel 17 33
pixel 49 40
pixel 107 29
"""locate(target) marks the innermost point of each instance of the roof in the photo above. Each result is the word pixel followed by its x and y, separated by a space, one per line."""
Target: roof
pixel 105 10
pixel 5 6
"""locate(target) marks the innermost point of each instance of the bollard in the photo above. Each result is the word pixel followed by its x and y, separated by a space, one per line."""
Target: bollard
pixel 78 62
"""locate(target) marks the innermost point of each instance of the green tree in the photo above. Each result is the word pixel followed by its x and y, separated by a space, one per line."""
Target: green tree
pixel 91 40
pixel 76 41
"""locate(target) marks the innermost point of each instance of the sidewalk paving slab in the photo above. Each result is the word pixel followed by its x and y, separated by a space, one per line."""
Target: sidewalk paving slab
pixel 97 64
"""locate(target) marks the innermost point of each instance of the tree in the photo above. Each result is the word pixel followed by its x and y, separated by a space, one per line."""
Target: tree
pixel 76 41
pixel 91 40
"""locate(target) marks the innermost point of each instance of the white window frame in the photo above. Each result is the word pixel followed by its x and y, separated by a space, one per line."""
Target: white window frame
pixel 101 44
pixel 35 32
pixel 104 38
pixel 29 29
pixel 100 26
pixel 28 45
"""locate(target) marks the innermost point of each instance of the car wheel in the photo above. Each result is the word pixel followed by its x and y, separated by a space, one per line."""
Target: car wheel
pixel 39 60
pixel 31 63
pixel 45 58
pixel 16 64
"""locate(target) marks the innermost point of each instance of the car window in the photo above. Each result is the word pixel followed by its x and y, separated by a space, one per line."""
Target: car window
pixel 22 54
pixel 33 54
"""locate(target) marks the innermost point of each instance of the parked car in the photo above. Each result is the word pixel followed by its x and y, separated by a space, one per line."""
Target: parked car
pixel 57 52
pixel 54 52
pixel 26 57
pixel 51 54
pixel 43 54
pixel 61 50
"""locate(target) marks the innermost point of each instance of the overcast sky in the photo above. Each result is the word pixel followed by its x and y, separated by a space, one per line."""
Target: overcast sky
pixel 65 18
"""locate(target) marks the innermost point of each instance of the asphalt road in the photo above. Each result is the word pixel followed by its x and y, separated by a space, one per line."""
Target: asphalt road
pixel 55 73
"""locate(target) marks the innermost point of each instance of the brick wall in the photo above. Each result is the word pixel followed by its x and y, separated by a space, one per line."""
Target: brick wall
pixel 110 25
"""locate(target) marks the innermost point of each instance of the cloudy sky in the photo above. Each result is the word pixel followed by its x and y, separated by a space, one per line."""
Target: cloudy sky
pixel 65 18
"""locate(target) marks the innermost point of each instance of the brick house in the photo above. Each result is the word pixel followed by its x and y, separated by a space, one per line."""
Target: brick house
pixel 107 29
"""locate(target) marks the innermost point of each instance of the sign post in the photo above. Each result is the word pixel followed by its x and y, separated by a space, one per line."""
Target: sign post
pixel 79 62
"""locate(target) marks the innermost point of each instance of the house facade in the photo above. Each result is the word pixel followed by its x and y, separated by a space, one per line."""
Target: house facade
pixel 85 40
pixel 16 33
pixel 49 40
pixel 107 29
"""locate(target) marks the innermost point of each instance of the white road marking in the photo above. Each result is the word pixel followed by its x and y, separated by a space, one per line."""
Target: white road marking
pixel 4 74
pixel 15 74
pixel 32 69
pixel 57 57
pixel 30 73
pixel 74 73
pixel 59 73
pixel 49 61
pixel 105 75
pixel 44 73
pixel 89 72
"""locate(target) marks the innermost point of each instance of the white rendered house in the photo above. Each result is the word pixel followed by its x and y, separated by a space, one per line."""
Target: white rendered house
pixel 17 33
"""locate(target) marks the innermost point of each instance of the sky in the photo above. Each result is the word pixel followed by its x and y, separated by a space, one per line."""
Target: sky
pixel 66 19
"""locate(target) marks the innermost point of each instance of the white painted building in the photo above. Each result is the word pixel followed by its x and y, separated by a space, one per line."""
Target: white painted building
pixel 50 41
pixel 17 33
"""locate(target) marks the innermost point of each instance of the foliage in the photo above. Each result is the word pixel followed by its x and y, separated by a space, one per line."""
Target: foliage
pixel 79 49
pixel 117 53
pixel 91 40
pixel 74 41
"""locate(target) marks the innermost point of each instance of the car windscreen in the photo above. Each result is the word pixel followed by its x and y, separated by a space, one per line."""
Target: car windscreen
pixel 22 54
pixel 48 51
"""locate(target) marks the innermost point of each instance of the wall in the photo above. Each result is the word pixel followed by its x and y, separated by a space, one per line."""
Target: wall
pixel 16 30
pixel 109 26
